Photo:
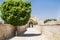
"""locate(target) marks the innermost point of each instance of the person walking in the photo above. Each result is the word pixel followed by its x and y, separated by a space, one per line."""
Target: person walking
pixel 31 22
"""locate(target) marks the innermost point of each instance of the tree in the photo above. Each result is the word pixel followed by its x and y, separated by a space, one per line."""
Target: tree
pixel 49 20
pixel 16 13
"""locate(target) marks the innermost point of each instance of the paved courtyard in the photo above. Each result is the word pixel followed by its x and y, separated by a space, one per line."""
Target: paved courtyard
pixel 31 34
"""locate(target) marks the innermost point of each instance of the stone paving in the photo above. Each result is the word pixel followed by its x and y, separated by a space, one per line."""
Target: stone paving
pixel 31 34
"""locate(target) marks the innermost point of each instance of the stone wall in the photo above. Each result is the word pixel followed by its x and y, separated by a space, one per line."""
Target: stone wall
pixel 52 32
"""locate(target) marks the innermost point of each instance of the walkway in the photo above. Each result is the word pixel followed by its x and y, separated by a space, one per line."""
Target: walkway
pixel 31 34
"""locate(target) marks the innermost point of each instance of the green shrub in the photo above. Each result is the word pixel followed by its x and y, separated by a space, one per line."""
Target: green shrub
pixel 35 23
pixel 16 13
pixel 49 20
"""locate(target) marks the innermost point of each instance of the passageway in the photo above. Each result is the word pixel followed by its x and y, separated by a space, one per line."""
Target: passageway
pixel 31 34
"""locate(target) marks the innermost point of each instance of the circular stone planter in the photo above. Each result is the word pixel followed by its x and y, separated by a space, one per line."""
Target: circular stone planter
pixel 7 31
pixel 22 29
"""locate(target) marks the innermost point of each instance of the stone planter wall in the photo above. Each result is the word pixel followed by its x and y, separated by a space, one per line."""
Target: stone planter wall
pixel 22 29
pixel 6 31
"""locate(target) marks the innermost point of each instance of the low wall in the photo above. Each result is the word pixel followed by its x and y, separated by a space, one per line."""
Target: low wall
pixel 52 32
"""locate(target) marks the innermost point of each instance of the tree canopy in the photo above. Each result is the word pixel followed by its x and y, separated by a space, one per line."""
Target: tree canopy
pixel 45 21
pixel 16 13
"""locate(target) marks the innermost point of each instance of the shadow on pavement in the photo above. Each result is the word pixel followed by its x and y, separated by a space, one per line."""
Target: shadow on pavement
pixel 29 35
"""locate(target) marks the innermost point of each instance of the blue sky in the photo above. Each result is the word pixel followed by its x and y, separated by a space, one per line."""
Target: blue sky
pixel 44 9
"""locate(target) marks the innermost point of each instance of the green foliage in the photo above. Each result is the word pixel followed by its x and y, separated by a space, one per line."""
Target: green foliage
pixel 35 23
pixel 0 7
pixel 49 20
pixel 16 13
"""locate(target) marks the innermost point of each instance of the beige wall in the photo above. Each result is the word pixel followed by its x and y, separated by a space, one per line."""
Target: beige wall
pixel 52 32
